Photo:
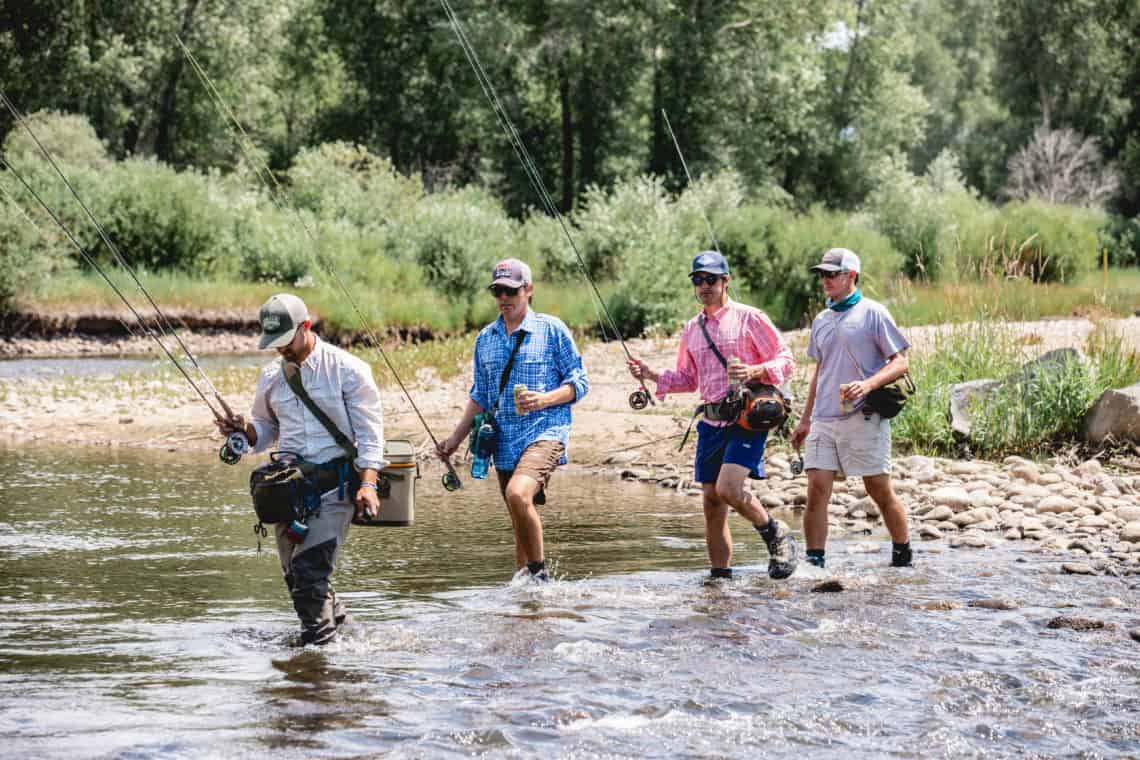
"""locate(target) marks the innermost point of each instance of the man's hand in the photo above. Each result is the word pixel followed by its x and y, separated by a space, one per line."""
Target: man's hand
pixel 640 370
pixel 445 448
pixel 800 433
pixel 856 390
pixel 236 424
pixel 738 373
pixel 531 401
pixel 367 502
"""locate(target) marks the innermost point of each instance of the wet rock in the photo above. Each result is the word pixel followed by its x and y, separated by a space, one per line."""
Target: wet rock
pixel 1111 603
pixel 1027 472
pixel 941 605
pixel 631 474
pixel 964 519
pixel 1013 534
pixel 860 526
pixel 1031 525
pixel 828 587
pixel 1131 532
pixel 1127 513
pixel 939 514
pixel 1076 623
pixel 994 604
pixel 1135 634
pixel 970 540
pixel 669 482
pixel 964 399
pixel 1078 568
pixel 955 498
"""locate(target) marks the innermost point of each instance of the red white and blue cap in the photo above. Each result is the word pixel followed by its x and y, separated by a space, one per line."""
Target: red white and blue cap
pixel 512 273
pixel 838 260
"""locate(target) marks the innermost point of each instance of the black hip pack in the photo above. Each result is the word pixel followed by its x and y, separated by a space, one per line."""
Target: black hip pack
pixel 889 400
pixel 289 487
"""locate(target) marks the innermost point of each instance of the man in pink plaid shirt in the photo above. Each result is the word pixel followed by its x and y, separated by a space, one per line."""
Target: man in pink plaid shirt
pixel 728 454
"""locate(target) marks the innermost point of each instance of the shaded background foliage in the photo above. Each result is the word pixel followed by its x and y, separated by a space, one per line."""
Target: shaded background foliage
pixel 885 126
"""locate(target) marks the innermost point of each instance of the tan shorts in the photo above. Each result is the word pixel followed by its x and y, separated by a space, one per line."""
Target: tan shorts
pixel 856 446
pixel 538 461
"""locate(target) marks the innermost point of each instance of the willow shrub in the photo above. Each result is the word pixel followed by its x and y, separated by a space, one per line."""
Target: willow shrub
pixel 772 251
pixel 1032 239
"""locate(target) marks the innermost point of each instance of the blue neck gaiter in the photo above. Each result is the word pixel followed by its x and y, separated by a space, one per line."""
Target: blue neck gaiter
pixel 847 302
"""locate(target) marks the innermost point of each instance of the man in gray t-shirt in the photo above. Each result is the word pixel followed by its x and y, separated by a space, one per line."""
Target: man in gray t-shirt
pixel 857 348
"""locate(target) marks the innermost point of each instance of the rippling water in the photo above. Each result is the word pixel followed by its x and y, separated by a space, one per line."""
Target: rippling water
pixel 138 621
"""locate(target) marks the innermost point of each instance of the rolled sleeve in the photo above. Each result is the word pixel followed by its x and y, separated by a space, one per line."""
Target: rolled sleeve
pixel 683 379
pixel 261 415
pixel 777 362
pixel 480 387
pixel 366 416
pixel 570 366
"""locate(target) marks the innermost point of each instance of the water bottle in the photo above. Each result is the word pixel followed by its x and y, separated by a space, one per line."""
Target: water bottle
pixel 484 447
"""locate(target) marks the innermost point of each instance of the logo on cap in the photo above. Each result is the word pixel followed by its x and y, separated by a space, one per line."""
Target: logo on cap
pixel 270 323
pixel 503 271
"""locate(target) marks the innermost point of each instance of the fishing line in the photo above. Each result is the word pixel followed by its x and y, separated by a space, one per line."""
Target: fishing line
pixel 451 479
pixel 164 323
pixel 639 399
pixel 689 177
pixel 237 443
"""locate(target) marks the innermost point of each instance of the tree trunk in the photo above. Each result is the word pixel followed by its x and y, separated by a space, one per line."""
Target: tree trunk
pixel 567 138
pixel 167 112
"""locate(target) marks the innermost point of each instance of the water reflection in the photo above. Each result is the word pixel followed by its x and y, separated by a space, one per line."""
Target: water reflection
pixel 136 619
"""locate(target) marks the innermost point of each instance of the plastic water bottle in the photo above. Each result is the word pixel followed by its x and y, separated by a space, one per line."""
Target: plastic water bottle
pixel 479 466
pixel 484 447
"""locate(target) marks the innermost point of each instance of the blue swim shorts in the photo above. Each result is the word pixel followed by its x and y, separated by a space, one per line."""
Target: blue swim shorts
pixel 728 445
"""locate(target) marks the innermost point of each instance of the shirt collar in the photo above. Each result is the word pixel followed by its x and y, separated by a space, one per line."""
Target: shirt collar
pixel 716 317
pixel 311 361
pixel 528 323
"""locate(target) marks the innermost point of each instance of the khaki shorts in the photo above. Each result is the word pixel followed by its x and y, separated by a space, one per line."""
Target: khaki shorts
pixel 856 446
pixel 538 461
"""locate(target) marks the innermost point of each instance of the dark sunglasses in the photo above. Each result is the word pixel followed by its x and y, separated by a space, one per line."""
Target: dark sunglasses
pixel 503 290
pixel 828 275
pixel 699 279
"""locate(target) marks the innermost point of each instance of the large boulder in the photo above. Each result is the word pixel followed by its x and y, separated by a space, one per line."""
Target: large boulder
pixel 966 398
pixel 1116 415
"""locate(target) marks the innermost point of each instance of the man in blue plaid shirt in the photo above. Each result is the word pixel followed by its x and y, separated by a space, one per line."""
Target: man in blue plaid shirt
pixel 533 423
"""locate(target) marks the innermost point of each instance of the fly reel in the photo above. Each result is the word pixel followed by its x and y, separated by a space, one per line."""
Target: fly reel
pixel 639 399
pixel 451 480
pixel 235 447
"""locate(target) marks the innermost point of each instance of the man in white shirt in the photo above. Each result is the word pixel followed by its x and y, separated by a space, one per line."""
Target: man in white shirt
pixel 341 385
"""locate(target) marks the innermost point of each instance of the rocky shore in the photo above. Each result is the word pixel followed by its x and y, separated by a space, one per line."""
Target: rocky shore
pixel 1086 516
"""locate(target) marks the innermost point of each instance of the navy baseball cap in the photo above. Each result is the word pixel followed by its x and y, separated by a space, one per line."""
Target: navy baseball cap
pixel 711 262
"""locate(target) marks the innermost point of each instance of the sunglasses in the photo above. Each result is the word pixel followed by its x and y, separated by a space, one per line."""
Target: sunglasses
pixel 829 275
pixel 706 279
pixel 503 290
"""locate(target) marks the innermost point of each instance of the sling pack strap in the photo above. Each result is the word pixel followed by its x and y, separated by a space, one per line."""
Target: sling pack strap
pixel 715 350
pixel 507 369
pixel 292 374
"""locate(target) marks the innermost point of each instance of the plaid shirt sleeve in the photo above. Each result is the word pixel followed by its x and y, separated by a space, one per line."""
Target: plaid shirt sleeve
pixel 684 378
pixel 569 362
pixel 480 388
pixel 779 364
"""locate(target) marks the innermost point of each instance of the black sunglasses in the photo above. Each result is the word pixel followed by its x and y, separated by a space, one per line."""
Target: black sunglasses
pixel 707 279
pixel 828 275
pixel 500 290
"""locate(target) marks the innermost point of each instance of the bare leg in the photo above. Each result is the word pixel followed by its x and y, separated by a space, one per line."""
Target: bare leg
pixel 718 538
pixel 519 495
pixel 894 513
pixel 730 489
pixel 820 483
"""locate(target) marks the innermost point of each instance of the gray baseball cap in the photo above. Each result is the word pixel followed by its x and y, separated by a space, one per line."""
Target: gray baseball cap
pixel 837 260
pixel 280 317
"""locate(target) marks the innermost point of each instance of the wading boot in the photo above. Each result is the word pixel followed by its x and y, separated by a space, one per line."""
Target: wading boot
pixel 901 555
pixel 783 553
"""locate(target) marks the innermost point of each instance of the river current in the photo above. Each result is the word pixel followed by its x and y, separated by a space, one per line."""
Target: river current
pixel 138 620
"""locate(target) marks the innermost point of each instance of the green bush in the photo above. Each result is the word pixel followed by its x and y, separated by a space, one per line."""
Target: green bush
pixel 269 247
pixel 342 181
pixel 1032 239
pixel 31 247
pixel 772 250
pixel 70 139
pixel 1120 236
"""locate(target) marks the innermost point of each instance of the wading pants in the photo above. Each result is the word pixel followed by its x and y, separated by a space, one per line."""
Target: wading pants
pixel 308 568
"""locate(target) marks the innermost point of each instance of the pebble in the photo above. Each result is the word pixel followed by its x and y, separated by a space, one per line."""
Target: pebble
pixel 1131 532
pixel 994 604
pixel 1076 623
pixel 951 496
pixel 931 533
pixel 1128 513
pixel 828 587
pixel 1135 634
pixel 1078 568
pixel 1055 504
pixel 939 606
pixel 938 514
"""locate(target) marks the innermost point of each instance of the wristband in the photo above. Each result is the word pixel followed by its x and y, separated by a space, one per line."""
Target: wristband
pixel 373 486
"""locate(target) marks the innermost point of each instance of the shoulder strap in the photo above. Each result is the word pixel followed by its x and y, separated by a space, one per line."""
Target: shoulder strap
pixel 292 374
pixel 507 369
pixel 715 350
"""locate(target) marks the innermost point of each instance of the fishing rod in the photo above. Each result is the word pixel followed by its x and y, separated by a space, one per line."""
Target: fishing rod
pixel 689 177
pixel 640 398
pixel 451 481
pixel 237 444
pixel 83 253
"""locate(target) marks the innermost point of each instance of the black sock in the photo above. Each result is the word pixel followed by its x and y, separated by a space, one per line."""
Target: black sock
pixel 901 554
pixel 720 572
pixel 536 567
pixel 768 532
pixel 815 557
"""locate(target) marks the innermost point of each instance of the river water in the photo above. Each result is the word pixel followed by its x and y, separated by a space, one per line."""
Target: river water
pixel 139 621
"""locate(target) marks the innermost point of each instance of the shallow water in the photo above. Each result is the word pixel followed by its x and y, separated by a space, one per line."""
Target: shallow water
pixel 89 366
pixel 138 621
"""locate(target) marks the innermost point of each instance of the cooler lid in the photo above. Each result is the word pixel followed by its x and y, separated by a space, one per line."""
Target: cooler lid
pixel 399 450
